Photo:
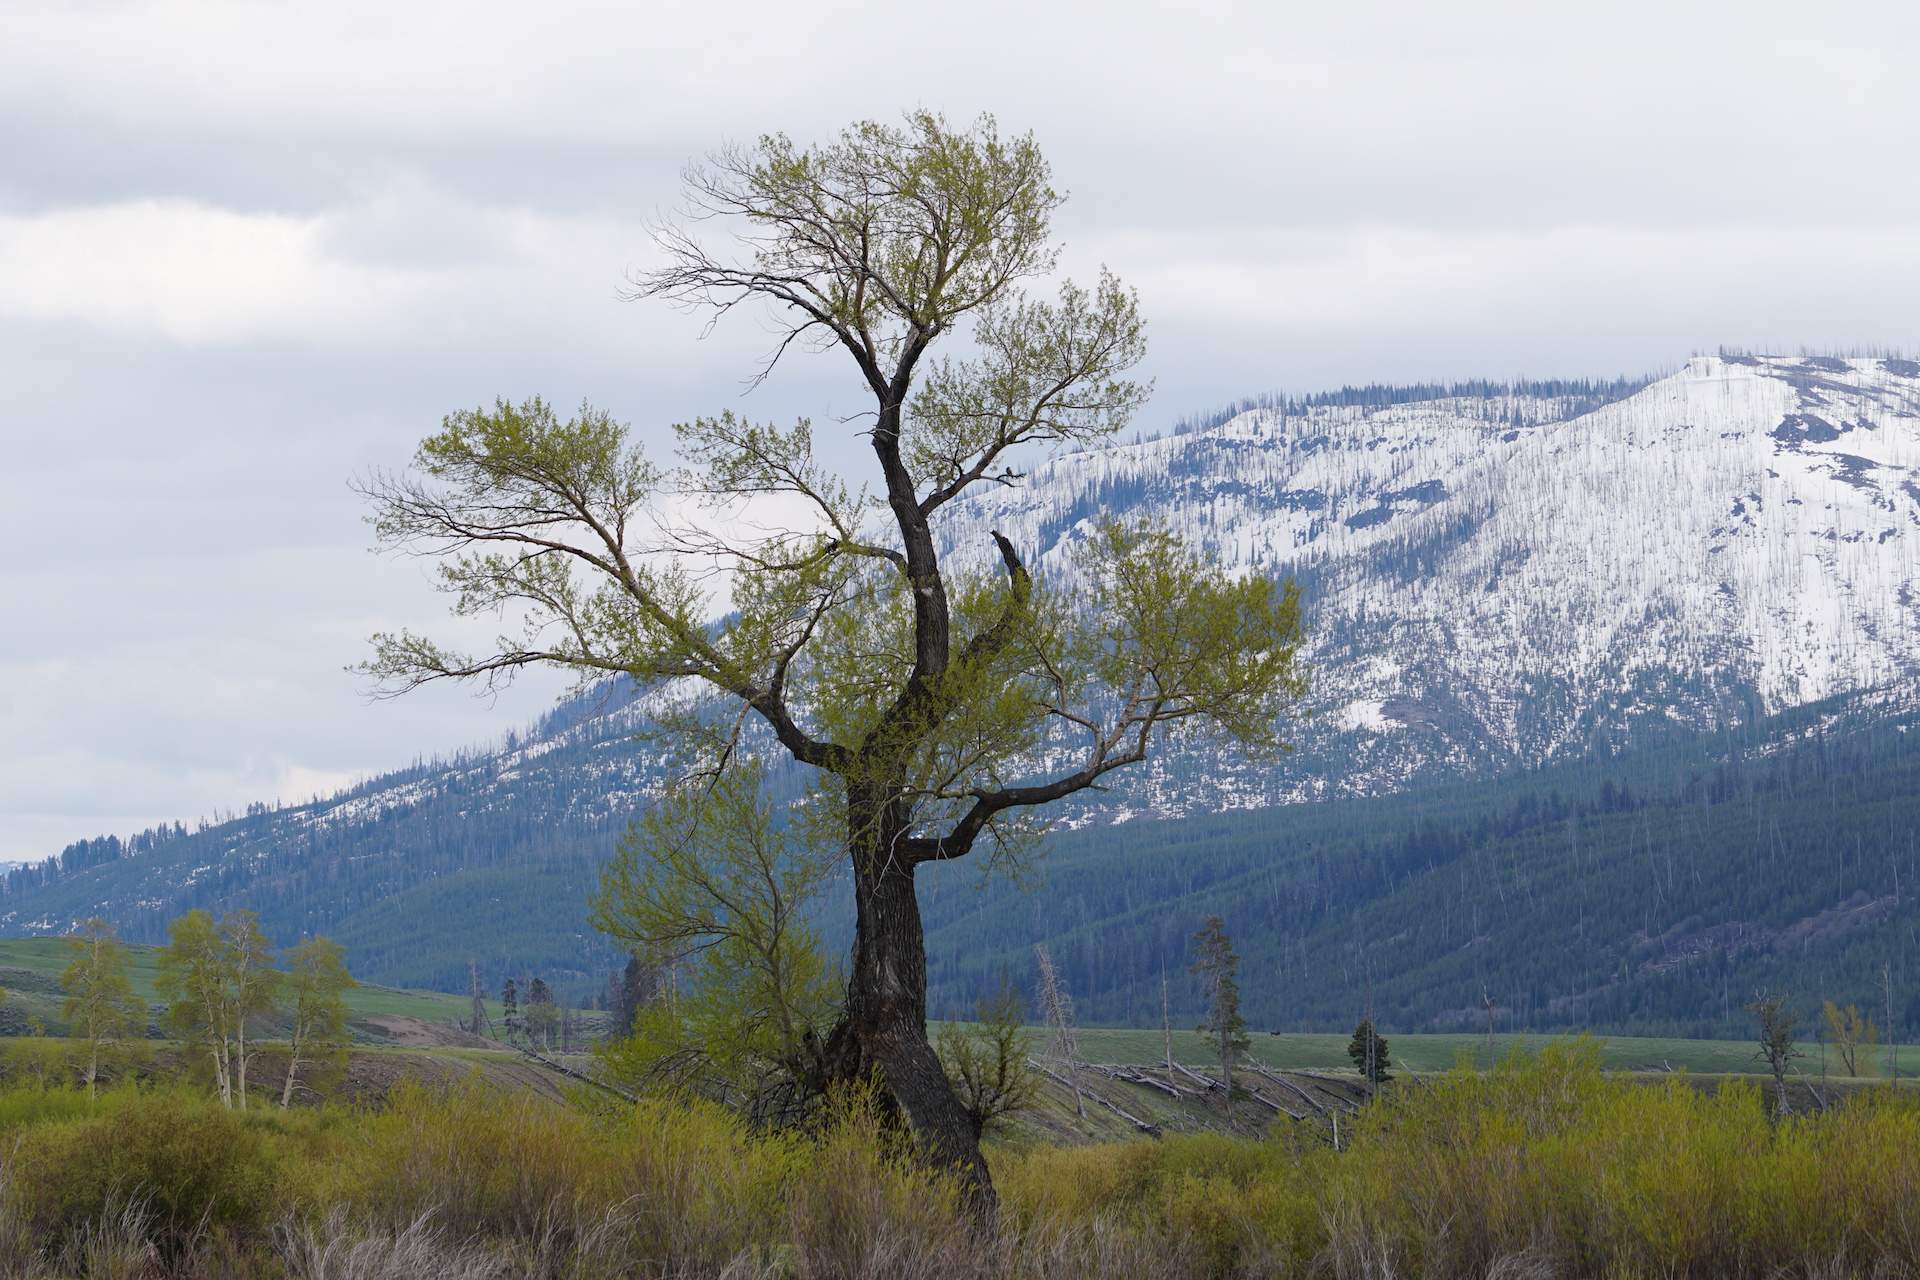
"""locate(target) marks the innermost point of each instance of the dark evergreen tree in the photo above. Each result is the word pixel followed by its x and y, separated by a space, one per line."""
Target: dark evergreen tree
pixel 510 1009
pixel 639 985
pixel 1218 968
pixel 1368 1049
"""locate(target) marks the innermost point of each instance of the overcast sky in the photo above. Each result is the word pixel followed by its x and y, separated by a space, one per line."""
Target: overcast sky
pixel 249 250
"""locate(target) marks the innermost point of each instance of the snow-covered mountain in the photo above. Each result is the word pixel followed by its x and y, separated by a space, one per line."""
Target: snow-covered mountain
pixel 1509 577
pixel 1496 578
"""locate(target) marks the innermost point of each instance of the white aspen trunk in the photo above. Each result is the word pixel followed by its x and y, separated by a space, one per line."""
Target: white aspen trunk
pixel 219 1044
pixel 242 998
pixel 219 1051
pixel 295 1043
pixel 240 1064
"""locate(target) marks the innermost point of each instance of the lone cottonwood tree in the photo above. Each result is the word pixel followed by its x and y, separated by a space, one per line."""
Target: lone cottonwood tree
pixel 915 691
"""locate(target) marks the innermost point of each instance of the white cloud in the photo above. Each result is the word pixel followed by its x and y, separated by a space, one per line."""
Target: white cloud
pixel 1821 283
pixel 407 268
pixel 184 271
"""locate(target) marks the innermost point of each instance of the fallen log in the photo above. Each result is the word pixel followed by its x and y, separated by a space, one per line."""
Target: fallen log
pixel 1288 1084
pixel 1150 1082
pixel 1144 1126
pixel 581 1076
pixel 1207 1081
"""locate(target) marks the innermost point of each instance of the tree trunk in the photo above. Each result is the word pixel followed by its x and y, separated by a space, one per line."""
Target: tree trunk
pixel 883 1030
pixel 293 1064
pixel 1226 1074
pixel 220 1078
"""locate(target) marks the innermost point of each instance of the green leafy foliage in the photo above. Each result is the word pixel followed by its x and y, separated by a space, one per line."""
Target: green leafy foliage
pixel 711 881
pixel 184 1161
pixel 218 979
pixel 1851 1033
pixel 100 1007
pixel 316 987
pixel 986 1061
pixel 1544 1165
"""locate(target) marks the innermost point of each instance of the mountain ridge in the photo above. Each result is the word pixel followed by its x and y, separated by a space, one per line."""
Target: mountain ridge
pixel 1512 576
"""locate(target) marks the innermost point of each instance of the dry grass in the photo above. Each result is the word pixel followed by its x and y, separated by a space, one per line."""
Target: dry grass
pixel 1546 1167
pixel 332 1250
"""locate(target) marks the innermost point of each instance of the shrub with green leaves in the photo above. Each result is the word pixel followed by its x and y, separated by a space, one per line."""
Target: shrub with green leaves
pixel 187 1161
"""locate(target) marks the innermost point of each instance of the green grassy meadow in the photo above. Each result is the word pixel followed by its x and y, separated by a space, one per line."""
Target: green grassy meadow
pixel 30 971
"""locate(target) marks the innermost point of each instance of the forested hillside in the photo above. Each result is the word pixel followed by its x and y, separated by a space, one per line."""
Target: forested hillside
pixel 488 857
pixel 1654 892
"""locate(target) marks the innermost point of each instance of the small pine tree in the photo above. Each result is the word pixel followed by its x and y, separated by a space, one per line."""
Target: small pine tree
pixel 1368 1049
pixel 510 1009
pixel 1219 970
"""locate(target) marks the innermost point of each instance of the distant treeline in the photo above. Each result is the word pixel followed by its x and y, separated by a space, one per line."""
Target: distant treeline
pixel 1584 394
pixel 1655 893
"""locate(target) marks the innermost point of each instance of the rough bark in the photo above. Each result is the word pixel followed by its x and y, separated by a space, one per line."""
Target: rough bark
pixel 882 1032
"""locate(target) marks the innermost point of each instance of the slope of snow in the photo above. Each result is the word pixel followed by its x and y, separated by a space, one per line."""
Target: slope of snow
pixel 1499 581
pixel 1492 580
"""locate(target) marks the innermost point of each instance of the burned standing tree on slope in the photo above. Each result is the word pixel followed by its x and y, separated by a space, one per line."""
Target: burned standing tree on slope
pixel 1777 1024
pixel 1063 1038
pixel 478 1023
pixel 916 691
